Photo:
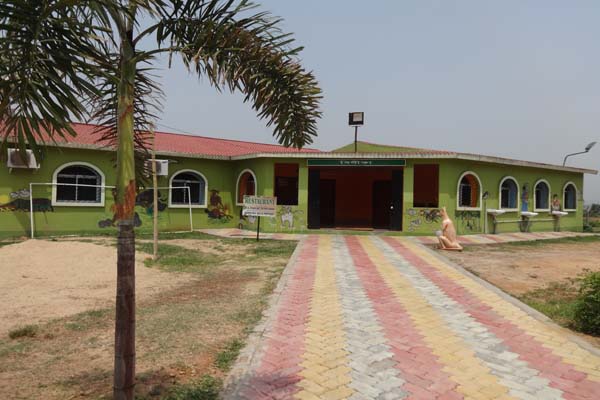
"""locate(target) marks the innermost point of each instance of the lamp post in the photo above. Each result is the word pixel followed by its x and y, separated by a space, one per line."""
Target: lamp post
pixel 587 149
pixel 356 119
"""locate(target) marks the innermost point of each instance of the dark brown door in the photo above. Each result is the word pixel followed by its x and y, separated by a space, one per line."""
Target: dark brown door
pixel 314 206
pixel 397 198
pixel 327 202
pixel 382 201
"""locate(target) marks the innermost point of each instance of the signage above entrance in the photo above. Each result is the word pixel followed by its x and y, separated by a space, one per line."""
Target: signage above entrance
pixel 329 162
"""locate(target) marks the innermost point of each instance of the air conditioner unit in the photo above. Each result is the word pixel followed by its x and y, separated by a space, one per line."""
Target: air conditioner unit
pixel 162 167
pixel 17 160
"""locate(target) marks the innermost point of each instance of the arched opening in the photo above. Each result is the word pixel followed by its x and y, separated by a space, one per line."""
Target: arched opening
pixel 246 185
pixel 542 196
pixel 469 191
pixel 509 194
pixel 182 197
pixel 78 183
pixel 570 197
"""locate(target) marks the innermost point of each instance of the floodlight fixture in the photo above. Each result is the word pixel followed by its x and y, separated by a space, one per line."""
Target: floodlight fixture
pixel 356 119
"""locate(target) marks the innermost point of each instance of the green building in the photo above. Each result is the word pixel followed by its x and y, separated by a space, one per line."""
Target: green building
pixel 202 182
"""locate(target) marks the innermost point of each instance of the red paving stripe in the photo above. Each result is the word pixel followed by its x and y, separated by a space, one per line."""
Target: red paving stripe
pixel 494 238
pixel 279 369
pixel 418 365
pixel 560 374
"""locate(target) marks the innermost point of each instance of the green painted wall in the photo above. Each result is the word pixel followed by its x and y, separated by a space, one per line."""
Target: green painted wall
pixel 222 210
pixel 418 220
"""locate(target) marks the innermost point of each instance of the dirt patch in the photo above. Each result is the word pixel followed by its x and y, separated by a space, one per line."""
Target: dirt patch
pixel 185 321
pixel 41 280
pixel 520 269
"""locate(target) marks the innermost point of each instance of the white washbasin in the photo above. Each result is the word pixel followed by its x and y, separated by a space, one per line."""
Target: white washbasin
pixel 495 212
pixel 560 213
pixel 528 214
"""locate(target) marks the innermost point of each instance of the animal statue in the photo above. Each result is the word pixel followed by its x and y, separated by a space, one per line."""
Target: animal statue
pixel 287 216
pixel 447 237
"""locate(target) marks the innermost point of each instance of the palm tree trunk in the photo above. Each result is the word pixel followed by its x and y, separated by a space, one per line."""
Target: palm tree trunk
pixel 124 369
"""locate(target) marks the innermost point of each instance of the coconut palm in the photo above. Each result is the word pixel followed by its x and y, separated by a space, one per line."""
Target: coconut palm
pixel 72 60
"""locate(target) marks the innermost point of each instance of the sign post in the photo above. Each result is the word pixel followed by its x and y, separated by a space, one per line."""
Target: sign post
pixel 259 206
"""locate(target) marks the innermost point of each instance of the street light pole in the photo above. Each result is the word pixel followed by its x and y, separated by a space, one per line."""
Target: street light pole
pixel 587 149
pixel 356 119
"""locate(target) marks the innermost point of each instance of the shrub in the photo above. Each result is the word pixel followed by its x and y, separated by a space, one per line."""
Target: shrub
pixel 206 388
pixel 24 331
pixel 587 306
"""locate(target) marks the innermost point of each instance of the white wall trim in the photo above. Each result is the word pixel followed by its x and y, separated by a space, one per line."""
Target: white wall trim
pixel 576 196
pixel 535 196
pixel 73 203
pixel 500 193
pixel 193 171
pixel 458 207
pixel 237 183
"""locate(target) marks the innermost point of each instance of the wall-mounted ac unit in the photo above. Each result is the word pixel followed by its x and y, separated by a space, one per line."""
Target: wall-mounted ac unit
pixel 17 160
pixel 162 167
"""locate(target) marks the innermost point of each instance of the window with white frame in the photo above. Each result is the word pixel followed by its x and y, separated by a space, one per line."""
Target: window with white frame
pixel 509 194
pixel 542 196
pixel 78 184
pixel 469 191
pixel 188 187
pixel 570 197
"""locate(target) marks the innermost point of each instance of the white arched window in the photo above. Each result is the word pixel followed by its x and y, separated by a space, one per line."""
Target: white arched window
pixel 78 184
pixel 509 194
pixel 469 192
pixel 245 186
pixel 181 196
pixel 541 196
pixel 570 197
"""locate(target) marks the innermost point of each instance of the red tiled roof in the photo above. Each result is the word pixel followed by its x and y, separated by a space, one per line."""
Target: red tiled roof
pixel 176 143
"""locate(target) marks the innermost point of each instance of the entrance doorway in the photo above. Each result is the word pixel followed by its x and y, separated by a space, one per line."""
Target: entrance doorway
pixel 382 201
pixel 327 200
pixel 355 197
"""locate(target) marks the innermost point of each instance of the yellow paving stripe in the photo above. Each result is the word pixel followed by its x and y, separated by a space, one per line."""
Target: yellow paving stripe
pixel 551 337
pixel 325 373
pixel 473 378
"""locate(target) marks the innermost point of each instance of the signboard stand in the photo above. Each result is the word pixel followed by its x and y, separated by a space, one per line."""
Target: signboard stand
pixel 259 206
pixel 257 228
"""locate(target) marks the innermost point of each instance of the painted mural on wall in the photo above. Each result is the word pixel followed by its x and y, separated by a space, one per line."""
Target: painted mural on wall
pixel 216 210
pixel 288 218
pixel 20 201
pixel 468 221
pixel 145 200
pixel 418 219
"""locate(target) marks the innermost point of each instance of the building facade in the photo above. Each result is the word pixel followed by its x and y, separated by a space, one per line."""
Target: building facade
pixel 202 182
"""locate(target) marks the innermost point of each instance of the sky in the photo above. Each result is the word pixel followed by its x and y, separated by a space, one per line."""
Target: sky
pixel 517 79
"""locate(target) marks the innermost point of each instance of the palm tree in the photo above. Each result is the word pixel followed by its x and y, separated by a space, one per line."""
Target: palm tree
pixel 72 60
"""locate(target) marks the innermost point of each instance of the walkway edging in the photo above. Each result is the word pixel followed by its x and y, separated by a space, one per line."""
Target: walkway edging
pixel 248 357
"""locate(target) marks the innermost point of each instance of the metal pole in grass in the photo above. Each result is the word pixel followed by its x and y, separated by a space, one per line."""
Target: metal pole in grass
pixel 155 199
pixel 258 228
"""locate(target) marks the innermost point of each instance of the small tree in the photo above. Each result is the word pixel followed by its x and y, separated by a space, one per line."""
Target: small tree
pixel 68 60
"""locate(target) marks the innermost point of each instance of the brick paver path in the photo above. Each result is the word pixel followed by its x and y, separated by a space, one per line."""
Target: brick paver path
pixel 371 317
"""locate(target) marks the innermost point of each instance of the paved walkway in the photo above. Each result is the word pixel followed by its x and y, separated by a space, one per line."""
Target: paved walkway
pixel 376 317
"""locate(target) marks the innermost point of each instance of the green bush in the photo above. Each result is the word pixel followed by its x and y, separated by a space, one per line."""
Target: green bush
pixel 587 306
pixel 25 331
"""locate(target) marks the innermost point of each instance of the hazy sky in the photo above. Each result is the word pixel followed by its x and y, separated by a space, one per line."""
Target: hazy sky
pixel 518 79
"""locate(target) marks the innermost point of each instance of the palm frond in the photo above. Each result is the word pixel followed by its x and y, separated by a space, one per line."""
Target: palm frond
pixel 49 52
pixel 238 50
pixel 147 105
